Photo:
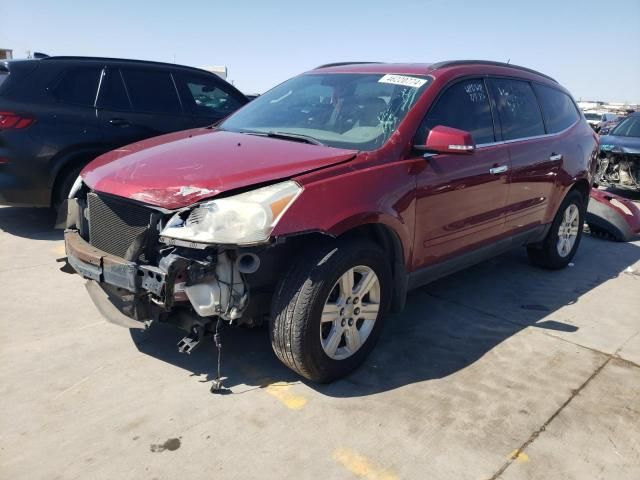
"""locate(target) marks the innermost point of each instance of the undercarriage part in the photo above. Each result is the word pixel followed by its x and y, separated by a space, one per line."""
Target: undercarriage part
pixel 619 170
pixel 189 343
pixel 223 295
pixel 216 385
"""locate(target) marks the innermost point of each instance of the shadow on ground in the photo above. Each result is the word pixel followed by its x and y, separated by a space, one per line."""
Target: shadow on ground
pixel 32 223
pixel 445 327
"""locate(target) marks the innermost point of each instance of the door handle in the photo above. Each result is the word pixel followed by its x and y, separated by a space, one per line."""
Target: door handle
pixel 555 157
pixel 119 122
pixel 498 170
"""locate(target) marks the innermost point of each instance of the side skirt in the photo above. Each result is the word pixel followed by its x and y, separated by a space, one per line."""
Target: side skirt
pixel 436 271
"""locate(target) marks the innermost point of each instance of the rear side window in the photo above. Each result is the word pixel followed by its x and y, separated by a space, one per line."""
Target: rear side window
pixel 151 91
pixel 465 106
pixel 78 86
pixel 557 107
pixel 204 95
pixel 518 109
pixel 113 95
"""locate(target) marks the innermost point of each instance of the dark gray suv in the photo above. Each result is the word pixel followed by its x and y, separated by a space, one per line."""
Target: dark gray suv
pixel 59 113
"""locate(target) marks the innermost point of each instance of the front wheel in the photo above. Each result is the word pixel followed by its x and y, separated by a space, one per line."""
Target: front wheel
pixel 328 310
pixel 563 238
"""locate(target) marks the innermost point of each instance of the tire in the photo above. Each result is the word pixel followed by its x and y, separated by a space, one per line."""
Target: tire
pixel 63 185
pixel 550 254
pixel 298 337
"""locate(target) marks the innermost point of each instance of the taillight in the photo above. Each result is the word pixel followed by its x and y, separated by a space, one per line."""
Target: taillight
pixel 10 120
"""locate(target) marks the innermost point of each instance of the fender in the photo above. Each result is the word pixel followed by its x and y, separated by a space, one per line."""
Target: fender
pixel 381 194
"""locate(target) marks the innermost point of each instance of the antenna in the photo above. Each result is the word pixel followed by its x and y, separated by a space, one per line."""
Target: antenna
pixel 508 61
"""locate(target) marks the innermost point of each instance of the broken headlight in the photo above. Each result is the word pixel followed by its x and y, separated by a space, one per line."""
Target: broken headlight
pixel 242 219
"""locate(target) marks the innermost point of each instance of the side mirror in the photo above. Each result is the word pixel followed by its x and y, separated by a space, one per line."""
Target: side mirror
pixel 443 139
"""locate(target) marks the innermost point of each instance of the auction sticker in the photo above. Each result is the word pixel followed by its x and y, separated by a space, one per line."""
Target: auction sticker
pixel 403 80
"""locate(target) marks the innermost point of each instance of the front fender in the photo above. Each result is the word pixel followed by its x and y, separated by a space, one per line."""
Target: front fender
pixel 382 194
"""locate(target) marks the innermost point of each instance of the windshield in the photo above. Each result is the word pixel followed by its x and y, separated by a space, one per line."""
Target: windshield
pixel 354 111
pixel 3 77
pixel 592 116
pixel 629 127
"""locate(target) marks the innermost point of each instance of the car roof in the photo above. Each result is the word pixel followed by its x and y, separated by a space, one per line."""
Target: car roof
pixel 422 68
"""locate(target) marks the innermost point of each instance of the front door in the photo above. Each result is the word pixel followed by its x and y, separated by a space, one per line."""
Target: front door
pixel 461 198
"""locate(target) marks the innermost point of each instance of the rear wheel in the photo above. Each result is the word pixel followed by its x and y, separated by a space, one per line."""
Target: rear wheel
pixel 563 238
pixel 328 311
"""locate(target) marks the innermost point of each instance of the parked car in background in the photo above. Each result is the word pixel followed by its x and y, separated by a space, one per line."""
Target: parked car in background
pixel 619 159
pixel 593 118
pixel 606 127
pixel 320 203
pixel 59 113
pixel 607 119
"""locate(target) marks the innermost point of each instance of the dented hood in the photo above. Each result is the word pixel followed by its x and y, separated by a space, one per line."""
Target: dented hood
pixel 176 170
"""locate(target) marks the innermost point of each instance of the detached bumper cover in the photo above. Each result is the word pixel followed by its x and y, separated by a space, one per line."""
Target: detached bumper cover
pixel 616 215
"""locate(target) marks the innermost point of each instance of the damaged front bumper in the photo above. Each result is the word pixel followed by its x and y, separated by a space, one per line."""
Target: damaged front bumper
pixel 132 294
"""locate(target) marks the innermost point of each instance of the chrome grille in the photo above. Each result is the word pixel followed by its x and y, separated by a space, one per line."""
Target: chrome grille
pixel 114 225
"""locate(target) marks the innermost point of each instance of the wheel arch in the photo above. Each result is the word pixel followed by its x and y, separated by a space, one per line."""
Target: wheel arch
pixel 581 186
pixel 69 161
pixel 388 239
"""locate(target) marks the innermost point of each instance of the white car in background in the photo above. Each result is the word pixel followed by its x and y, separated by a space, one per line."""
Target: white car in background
pixel 597 119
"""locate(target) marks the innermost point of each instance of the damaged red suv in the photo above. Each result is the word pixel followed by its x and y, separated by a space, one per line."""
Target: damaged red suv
pixel 317 206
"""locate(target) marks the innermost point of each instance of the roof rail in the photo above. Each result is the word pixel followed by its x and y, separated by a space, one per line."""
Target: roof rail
pixel 453 63
pixel 341 64
pixel 124 60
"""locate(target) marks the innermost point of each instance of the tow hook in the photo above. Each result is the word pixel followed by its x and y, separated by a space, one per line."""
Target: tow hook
pixel 189 343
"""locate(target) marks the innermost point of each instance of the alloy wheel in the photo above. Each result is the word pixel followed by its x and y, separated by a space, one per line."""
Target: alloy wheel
pixel 350 312
pixel 568 230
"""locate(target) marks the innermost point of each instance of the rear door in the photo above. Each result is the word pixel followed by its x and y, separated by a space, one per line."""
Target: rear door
pixel 137 103
pixel 460 203
pixel 534 162
pixel 207 99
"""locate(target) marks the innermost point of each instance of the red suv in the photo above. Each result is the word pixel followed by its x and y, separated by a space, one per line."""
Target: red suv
pixel 321 203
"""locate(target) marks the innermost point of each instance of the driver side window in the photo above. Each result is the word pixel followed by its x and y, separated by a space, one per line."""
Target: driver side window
pixel 465 106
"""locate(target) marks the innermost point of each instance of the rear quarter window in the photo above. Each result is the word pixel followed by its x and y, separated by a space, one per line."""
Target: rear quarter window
pixel 77 86
pixel 518 109
pixel 557 107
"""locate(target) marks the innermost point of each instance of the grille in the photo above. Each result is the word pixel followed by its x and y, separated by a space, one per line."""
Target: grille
pixel 114 225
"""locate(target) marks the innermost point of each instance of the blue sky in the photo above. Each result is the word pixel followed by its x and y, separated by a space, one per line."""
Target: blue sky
pixel 591 47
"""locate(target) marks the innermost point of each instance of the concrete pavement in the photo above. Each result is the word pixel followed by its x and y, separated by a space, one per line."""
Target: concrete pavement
pixel 501 371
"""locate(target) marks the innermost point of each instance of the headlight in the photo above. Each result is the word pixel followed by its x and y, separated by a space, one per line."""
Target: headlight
pixel 242 219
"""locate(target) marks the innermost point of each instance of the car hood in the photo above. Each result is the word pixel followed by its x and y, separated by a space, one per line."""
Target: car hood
pixel 176 170
pixel 615 143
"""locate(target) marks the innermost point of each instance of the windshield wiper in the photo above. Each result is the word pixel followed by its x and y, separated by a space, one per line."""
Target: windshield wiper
pixel 296 137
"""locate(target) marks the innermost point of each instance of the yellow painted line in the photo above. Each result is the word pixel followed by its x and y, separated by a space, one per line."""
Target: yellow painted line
pixel 519 456
pixel 361 466
pixel 282 391
pixel 59 250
